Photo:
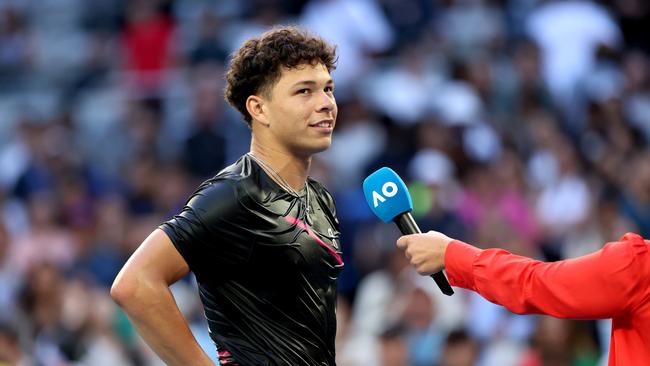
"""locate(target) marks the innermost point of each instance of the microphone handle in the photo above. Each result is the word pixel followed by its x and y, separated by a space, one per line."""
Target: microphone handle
pixel 407 225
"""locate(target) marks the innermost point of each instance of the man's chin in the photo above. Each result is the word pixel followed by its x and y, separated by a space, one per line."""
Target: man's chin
pixel 316 148
pixel 324 145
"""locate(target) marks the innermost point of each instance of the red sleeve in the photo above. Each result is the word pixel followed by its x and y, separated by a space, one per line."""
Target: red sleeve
pixel 604 284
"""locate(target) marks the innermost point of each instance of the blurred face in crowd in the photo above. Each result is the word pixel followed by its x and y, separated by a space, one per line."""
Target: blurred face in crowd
pixel 394 351
pixel 459 354
pixel 297 115
pixel 419 311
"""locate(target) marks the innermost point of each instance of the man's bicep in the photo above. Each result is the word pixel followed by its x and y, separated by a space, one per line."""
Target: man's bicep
pixel 157 259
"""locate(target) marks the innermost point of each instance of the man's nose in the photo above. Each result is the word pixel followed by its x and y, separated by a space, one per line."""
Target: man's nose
pixel 326 102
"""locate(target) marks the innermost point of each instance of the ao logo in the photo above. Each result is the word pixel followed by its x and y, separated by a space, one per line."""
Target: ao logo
pixel 389 189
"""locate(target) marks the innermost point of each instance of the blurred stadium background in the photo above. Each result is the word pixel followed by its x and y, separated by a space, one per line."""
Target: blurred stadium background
pixel 522 124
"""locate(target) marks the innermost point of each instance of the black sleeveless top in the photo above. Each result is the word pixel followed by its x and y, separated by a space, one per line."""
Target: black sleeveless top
pixel 266 266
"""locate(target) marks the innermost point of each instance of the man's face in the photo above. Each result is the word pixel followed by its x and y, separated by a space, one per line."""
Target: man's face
pixel 301 110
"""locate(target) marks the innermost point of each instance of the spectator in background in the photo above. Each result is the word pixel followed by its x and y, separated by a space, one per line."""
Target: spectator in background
pixel 47 240
pixel 404 90
pixel 564 204
pixel 204 153
pixel 459 350
pixel 525 91
pixel 433 176
pixel 636 100
pixel 392 350
pixel 149 45
pixel 636 197
pixel 561 342
pixel 40 301
pixel 568 60
pixel 423 332
pixel 107 250
pixel 465 42
pixel 362 30
pixel 208 49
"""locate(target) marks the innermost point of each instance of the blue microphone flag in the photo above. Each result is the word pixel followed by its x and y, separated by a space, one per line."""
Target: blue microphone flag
pixel 387 194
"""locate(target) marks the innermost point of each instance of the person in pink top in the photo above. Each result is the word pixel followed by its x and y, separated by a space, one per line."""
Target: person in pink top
pixel 613 282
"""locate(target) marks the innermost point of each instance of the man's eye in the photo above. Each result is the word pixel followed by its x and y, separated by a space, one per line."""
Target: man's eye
pixel 329 89
pixel 303 91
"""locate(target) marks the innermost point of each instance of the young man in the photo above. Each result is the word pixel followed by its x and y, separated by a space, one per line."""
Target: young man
pixel 613 282
pixel 261 236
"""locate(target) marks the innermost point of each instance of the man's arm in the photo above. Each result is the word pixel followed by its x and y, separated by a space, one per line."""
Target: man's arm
pixel 142 290
pixel 600 285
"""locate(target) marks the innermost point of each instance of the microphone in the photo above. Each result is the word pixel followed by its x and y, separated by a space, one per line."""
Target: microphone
pixel 390 200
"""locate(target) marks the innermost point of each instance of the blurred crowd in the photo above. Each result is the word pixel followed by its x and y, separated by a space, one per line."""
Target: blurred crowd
pixel 521 124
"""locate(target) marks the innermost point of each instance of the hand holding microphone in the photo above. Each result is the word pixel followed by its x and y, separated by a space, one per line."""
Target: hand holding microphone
pixel 390 200
pixel 425 251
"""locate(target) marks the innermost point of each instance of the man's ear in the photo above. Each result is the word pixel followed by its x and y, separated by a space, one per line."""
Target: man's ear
pixel 257 109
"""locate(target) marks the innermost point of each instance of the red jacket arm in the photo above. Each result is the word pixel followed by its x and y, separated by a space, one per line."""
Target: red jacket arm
pixel 604 284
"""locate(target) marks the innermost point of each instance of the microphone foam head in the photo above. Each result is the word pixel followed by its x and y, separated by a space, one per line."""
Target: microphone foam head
pixel 387 194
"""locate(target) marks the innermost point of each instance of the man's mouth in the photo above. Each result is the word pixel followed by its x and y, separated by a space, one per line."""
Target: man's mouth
pixel 327 123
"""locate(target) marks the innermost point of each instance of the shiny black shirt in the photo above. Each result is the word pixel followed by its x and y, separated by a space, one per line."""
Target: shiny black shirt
pixel 266 265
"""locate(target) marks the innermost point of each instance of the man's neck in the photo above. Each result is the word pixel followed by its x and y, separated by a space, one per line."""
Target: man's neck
pixel 292 169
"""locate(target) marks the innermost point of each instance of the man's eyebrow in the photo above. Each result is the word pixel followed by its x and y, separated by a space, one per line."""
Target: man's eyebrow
pixel 312 82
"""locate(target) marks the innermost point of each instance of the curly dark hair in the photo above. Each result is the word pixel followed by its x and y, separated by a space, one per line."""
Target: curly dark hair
pixel 256 66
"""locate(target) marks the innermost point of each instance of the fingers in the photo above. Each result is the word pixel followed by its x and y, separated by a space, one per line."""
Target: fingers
pixel 425 252
pixel 420 269
pixel 408 240
pixel 402 242
pixel 419 263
